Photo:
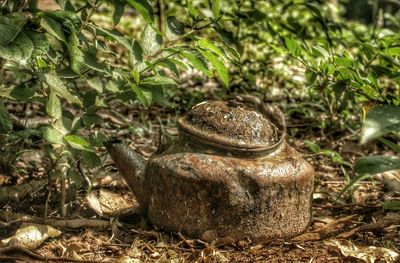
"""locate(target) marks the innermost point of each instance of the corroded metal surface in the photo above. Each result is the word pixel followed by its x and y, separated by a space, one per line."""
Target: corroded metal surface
pixel 230 124
pixel 230 173
pixel 259 199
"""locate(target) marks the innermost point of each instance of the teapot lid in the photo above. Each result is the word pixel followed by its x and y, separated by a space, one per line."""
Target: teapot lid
pixel 231 125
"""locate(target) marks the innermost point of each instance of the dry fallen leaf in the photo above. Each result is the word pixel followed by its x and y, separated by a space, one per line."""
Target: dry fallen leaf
pixel 368 254
pixel 107 203
pixel 32 235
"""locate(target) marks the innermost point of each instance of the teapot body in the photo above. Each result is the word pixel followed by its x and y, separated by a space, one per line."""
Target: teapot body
pixel 200 191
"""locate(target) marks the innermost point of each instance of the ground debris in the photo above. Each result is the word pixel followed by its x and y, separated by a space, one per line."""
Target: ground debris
pixel 368 254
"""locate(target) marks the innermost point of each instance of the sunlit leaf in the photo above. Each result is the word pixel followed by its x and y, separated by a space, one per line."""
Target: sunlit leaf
pixel 192 10
pixel 53 106
pixel 144 9
pixel 394 51
pixel 145 97
pixel 321 50
pixel 216 7
pixel 10 27
pixel 293 46
pixel 78 143
pixel 218 65
pixel 53 28
pixel 19 49
pixel 379 121
pixel 376 164
pixel 207 44
pixel 96 84
pixel 59 86
pixel 158 80
pixel 345 62
pixel 75 53
pixel 151 40
pixel 197 62
pixel 52 135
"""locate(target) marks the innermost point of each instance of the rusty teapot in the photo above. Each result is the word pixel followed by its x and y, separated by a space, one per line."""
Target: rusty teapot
pixel 230 175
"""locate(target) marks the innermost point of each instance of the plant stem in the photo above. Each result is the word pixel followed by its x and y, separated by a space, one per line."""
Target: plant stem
pixel 61 169
pixel 161 18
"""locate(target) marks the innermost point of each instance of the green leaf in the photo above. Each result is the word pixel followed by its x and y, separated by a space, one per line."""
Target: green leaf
pixel 345 62
pixel 158 80
pixel 59 86
pixel 22 92
pixel 97 139
pixel 174 28
pixel 116 36
pixel 313 146
pixel 53 106
pixel 192 10
pixel 91 62
pixel 75 53
pixel 52 135
pixel 145 97
pixel 372 77
pixel 151 40
pixel 311 76
pixel 218 65
pixel 376 164
pixel 40 43
pixel 79 143
pixel 91 159
pixel 197 63
pixel 10 27
pixel 53 28
pixel 19 50
pixel 292 45
pixel 119 8
pixel 5 119
pixel 379 121
pixel 394 51
pixel 390 144
pixel 112 86
pixel 208 45
pixel 144 9
pixel 321 50
pixel 91 119
pixel 96 84
pixel 136 76
pixel 216 7
pixel 171 65
pixel 278 49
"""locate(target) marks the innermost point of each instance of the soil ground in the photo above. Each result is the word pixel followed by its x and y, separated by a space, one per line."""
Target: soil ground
pixel 356 219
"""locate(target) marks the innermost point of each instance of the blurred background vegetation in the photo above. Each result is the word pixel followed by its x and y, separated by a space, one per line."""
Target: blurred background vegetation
pixel 332 66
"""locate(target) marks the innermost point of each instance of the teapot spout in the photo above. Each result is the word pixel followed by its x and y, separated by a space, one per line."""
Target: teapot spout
pixel 131 166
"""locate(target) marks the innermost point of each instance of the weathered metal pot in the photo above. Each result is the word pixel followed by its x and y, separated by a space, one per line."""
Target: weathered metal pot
pixel 231 173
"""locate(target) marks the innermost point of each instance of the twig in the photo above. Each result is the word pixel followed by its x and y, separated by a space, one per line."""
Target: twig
pixel 15 193
pixel 185 240
pixel 10 217
pixel 20 248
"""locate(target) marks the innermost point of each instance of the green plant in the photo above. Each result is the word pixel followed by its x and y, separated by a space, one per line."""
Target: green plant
pixel 349 66
pixel 59 58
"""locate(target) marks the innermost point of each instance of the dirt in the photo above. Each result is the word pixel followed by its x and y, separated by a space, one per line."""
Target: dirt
pixel 357 217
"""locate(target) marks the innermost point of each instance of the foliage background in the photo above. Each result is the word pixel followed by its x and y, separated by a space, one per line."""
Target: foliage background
pixel 339 75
